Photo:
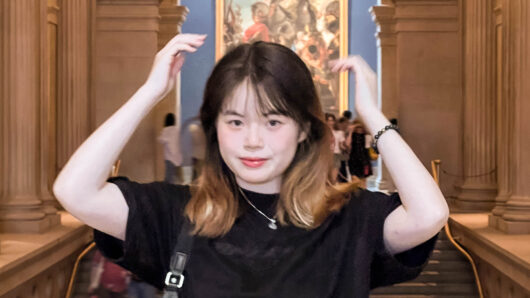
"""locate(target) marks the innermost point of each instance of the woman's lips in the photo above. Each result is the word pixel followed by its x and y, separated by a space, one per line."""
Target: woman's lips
pixel 253 162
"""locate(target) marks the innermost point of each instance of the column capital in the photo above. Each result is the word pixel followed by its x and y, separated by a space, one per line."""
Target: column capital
pixel 126 15
pixel 427 15
pixel 383 16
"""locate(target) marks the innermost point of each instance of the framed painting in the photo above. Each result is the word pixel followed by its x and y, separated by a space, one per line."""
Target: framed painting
pixel 316 30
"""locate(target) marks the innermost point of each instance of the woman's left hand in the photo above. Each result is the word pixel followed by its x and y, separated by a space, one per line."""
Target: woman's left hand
pixel 366 82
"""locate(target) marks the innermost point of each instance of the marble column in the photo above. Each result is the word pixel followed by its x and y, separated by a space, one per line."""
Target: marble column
pixel 515 218
pixel 504 109
pixel 384 15
pixel 172 16
pixel 73 79
pixel 126 42
pixel 20 160
pixel 479 188
pixel 48 96
pixel 419 79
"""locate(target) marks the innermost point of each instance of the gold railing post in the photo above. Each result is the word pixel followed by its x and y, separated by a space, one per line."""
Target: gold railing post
pixel 435 168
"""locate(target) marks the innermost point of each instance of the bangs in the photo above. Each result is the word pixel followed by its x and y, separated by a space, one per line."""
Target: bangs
pixel 268 99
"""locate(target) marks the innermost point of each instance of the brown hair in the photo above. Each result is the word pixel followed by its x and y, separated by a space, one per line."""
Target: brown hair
pixel 284 85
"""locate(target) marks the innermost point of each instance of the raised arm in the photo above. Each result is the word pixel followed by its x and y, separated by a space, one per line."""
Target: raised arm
pixel 81 186
pixel 424 210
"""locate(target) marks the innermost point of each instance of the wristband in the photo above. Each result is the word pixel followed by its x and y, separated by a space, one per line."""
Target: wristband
pixel 381 132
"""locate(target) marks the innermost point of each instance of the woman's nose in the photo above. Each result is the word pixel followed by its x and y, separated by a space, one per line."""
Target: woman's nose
pixel 253 137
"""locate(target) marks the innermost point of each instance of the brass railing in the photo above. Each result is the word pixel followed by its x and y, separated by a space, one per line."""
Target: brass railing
pixel 435 167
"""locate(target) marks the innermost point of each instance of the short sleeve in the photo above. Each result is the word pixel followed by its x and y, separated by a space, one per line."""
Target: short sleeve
pixel 387 269
pixel 154 219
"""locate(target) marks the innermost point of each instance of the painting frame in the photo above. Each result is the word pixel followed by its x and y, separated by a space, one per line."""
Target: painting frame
pixel 340 95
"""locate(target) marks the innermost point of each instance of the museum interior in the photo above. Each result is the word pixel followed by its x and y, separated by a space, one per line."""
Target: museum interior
pixel 452 72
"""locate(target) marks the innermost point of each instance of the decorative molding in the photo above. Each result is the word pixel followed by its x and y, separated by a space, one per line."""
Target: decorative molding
pixel 127 16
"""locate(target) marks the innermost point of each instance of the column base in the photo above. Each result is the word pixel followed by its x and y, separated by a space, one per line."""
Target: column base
pixel 476 198
pixel 493 221
pixel 30 226
pixel 512 227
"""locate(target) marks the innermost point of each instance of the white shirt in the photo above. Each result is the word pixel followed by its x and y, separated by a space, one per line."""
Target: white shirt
pixel 338 135
pixel 170 139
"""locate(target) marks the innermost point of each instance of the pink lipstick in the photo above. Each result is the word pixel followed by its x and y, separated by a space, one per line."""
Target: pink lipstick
pixel 253 162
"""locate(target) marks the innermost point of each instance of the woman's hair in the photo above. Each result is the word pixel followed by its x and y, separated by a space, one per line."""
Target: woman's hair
pixel 170 119
pixel 283 84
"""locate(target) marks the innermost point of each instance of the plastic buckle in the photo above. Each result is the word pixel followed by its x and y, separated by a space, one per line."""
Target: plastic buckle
pixel 174 280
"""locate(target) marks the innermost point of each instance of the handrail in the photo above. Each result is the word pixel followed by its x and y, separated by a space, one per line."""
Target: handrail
pixel 114 172
pixel 76 265
pixel 435 166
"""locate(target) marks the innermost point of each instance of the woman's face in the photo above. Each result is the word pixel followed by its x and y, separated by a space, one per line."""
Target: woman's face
pixel 257 148
pixel 331 122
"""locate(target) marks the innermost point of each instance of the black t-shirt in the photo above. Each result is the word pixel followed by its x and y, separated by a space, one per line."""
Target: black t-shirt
pixel 344 257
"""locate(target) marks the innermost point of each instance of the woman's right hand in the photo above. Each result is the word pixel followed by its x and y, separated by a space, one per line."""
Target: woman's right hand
pixel 169 61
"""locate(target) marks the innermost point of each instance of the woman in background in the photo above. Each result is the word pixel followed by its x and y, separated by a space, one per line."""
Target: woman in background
pixel 170 140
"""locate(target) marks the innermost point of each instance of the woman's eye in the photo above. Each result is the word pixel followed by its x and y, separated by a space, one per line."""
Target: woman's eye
pixel 235 123
pixel 274 123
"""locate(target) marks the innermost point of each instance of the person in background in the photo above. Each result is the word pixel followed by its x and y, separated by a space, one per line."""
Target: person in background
pixel 198 144
pixel 170 140
pixel 359 159
pixel 330 120
pixel 347 114
pixel 338 149
pixel 140 289
pixel 342 125
pixel 107 280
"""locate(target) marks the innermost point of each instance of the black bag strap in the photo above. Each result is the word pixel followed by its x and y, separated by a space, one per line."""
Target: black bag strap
pixel 181 253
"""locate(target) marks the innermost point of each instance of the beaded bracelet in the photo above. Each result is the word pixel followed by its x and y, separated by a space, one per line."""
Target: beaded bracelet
pixel 379 133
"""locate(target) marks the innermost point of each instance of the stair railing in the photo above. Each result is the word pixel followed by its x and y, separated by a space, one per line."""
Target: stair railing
pixel 90 246
pixel 435 167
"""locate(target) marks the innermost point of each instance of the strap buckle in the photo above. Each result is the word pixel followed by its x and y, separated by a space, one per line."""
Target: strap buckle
pixel 174 280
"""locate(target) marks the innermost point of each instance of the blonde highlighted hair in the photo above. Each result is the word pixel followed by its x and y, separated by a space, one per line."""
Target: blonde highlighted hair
pixel 283 84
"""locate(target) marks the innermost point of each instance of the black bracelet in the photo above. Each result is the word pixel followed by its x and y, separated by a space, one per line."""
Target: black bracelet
pixel 379 133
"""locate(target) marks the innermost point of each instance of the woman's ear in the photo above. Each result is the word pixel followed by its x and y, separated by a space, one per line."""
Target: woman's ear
pixel 303 132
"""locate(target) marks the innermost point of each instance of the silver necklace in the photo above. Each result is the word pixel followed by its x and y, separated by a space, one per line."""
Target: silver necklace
pixel 272 222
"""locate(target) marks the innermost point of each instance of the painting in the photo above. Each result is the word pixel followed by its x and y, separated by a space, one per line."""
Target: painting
pixel 316 30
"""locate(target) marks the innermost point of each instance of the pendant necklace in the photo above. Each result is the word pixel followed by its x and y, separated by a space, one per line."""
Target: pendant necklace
pixel 272 222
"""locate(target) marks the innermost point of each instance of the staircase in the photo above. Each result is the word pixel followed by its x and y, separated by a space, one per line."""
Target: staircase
pixel 448 274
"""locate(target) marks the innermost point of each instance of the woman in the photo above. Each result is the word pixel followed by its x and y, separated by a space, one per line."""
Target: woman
pixel 337 147
pixel 266 221
pixel 170 140
pixel 359 161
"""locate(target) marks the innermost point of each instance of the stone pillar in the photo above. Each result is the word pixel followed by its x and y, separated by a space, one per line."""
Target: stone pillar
pixel 172 16
pixel 383 15
pixel 20 203
pixel 49 30
pixel 420 79
pixel 126 41
pixel 515 219
pixel 479 188
pixel 73 109
pixel 504 110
